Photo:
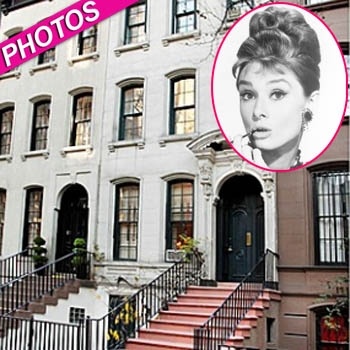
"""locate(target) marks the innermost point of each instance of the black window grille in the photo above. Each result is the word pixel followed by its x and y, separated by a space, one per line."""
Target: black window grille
pixel 331 205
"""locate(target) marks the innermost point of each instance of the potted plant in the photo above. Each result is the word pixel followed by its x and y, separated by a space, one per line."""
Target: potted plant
pixel 79 260
pixel 39 255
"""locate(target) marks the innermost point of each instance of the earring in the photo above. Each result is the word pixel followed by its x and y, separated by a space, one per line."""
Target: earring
pixel 307 115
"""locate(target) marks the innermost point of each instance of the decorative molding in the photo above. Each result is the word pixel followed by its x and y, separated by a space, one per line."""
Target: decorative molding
pixel 205 172
pixel 112 146
pixel 131 47
pixel 44 66
pixel 74 149
pixel 42 153
pixel 91 56
pixel 180 36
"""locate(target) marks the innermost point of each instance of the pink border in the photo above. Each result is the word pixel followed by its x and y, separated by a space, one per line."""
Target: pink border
pixel 212 86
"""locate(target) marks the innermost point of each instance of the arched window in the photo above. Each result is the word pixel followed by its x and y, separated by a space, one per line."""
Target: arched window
pixel 33 215
pixel 179 211
pixel 82 114
pixel 131 112
pixel 182 105
pixel 40 127
pixel 126 221
pixel 6 121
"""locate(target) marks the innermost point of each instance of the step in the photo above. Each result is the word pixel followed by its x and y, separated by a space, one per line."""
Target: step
pixel 214 291
pixel 192 307
pixel 183 316
pixel 166 335
pixel 174 325
pixel 146 344
pixel 201 298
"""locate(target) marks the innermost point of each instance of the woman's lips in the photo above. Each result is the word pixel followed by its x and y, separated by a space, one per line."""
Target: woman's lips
pixel 260 133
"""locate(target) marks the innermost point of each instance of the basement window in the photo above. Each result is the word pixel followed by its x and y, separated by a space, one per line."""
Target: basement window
pixel 76 315
pixel 270 329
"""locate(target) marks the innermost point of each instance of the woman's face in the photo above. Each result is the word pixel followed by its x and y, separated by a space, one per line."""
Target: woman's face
pixel 271 105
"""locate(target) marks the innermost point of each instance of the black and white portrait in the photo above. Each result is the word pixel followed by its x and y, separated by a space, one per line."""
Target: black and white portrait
pixel 279 87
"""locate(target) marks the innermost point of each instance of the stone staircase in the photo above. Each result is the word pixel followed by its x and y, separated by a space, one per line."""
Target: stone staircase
pixel 173 328
pixel 39 305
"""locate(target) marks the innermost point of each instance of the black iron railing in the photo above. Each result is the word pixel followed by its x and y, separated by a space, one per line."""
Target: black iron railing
pixel 121 323
pixel 223 322
pixel 29 334
pixel 19 292
pixel 16 265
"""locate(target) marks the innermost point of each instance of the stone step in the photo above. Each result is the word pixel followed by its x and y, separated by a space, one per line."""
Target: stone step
pixel 173 337
pixel 146 344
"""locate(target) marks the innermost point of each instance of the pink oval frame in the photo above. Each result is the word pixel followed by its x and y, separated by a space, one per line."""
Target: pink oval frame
pixel 212 85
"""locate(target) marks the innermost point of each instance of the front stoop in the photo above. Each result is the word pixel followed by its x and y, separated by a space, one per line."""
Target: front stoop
pixel 173 329
pixel 247 331
pixel 39 306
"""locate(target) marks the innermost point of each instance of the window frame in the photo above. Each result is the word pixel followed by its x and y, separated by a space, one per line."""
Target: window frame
pixel 7 134
pixel 123 116
pixel 170 223
pixel 177 16
pixel 85 36
pixel 129 224
pixel 78 122
pixel 47 56
pixel 174 109
pixel 44 128
pixel 332 217
pixel 3 197
pixel 128 38
pixel 35 218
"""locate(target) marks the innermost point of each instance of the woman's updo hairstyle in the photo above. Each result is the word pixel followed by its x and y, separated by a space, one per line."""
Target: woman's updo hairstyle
pixel 281 37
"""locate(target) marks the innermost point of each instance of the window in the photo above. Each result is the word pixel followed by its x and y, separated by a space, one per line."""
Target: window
pixel 331 203
pixel 182 113
pixel 2 215
pixel 82 108
pixel 332 332
pixel 135 30
pixel 131 116
pixel 87 41
pixel 6 120
pixel 126 222
pixel 32 220
pixel 76 315
pixel 47 56
pixel 179 211
pixel 40 129
pixel 184 20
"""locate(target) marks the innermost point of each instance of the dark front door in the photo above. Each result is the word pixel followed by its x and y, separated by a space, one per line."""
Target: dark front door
pixel 72 219
pixel 240 229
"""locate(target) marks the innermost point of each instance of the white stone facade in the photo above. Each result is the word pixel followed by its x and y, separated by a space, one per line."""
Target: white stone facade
pixel 151 161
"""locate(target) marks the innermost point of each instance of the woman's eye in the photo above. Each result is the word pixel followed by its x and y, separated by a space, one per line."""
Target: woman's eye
pixel 246 96
pixel 278 95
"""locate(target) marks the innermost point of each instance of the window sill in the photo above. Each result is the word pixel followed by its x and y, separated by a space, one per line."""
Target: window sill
pixel 176 138
pixel 76 149
pixel 112 146
pixel 16 73
pixel 43 66
pixel 90 56
pixel 41 153
pixel 181 36
pixel 131 47
pixel 6 157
